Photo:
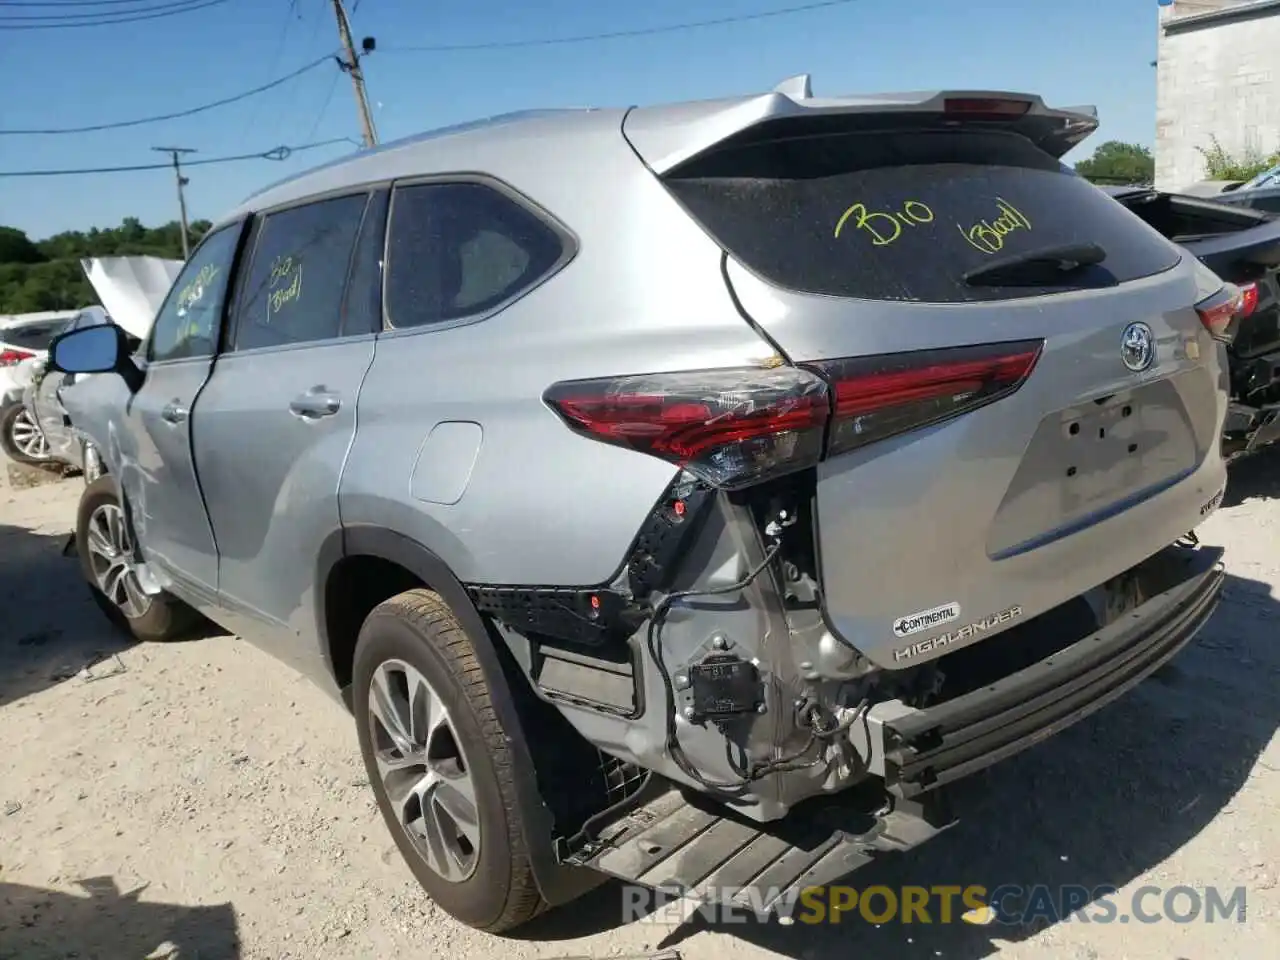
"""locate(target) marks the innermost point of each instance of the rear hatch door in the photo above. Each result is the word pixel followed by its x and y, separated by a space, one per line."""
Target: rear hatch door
pixel 895 240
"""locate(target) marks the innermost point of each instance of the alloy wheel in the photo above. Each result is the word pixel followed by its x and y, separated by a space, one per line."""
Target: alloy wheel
pixel 111 559
pixel 27 437
pixel 423 770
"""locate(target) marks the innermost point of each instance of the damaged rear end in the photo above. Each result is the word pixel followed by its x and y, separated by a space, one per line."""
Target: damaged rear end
pixel 951 517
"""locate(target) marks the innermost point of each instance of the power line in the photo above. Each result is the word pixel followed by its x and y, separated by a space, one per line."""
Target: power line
pixel 619 34
pixel 275 153
pixel 181 113
pixel 63 4
pixel 289 15
pixel 324 107
pixel 439 48
pixel 291 98
pixel 105 18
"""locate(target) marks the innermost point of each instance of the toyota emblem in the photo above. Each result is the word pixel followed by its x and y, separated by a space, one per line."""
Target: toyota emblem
pixel 1138 347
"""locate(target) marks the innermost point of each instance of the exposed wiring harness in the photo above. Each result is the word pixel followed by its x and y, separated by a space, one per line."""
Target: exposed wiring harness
pixel 748 769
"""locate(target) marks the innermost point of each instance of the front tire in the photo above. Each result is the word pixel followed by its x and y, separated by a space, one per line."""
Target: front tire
pixel 21 438
pixel 437 757
pixel 109 567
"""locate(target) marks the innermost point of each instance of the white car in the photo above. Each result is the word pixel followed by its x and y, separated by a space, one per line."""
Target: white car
pixel 24 340
pixel 42 399
pixel 34 427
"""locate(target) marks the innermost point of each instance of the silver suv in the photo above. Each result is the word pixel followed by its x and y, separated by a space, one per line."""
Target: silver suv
pixel 635 476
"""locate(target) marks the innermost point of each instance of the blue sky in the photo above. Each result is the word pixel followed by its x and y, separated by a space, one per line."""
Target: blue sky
pixel 72 77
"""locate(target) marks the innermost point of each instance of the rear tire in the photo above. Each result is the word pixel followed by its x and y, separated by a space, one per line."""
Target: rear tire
pixel 464 841
pixel 21 438
pixel 106 560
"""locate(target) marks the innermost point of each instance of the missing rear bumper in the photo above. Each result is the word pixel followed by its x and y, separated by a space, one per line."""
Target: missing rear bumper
pixel 925 749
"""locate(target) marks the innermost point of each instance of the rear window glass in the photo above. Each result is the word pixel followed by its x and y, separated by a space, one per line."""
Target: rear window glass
pixel 34 336
pixel 906 215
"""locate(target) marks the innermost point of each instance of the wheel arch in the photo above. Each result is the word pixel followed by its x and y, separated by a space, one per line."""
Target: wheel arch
pixel 390 552
pixel 397 555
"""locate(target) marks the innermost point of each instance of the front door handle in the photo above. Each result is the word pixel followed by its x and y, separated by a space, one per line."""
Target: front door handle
pixel 313 405
pixel 174 412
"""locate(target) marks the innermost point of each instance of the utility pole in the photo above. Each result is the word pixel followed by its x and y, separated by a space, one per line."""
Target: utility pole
pixel 352 66
pixel 175 152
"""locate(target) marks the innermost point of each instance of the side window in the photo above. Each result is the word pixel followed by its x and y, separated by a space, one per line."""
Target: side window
pixel 187 324
pixel 363 310
pixel 293 286
pixel 458 250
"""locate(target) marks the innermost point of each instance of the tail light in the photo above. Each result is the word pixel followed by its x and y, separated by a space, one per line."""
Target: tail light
pixel 1218 311
pixel 979 108
pixel 1248 300
pixel 877 397
pixel 735 428
pixel 732 428
pixel 9 358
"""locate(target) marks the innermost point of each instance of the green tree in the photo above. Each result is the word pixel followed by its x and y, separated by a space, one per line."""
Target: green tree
pixel 16 247
pixel 1120 163
pixel 46 275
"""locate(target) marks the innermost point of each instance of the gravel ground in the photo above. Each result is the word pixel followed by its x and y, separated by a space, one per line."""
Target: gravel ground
pixel 201 800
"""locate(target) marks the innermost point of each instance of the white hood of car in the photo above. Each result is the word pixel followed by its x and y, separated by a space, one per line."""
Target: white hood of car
pixel 131 289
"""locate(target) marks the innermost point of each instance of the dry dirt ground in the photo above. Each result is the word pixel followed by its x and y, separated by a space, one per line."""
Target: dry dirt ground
pixel 200 800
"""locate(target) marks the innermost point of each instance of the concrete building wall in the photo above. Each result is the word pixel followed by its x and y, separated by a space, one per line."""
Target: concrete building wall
pixel 1218 66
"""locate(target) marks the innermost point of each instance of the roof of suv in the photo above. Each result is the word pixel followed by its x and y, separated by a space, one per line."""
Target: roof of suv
pixel 664 134
pixel 418 154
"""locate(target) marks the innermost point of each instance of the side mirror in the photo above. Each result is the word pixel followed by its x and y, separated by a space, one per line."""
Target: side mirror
pixel 100 349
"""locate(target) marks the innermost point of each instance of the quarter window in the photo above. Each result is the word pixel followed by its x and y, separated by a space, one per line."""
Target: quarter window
pixel 294 284
pixel 459 250
pixel 187 324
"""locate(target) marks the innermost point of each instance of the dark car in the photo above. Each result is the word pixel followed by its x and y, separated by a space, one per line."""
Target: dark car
pixel 1242 245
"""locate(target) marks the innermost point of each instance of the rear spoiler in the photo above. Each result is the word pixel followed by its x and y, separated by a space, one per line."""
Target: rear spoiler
pixel 668 136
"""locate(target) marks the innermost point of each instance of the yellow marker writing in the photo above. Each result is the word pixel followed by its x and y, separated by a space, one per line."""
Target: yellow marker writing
pixel 988 235
pixel 191 293
pixel 281 267
pixel 885 227
pixel 277 299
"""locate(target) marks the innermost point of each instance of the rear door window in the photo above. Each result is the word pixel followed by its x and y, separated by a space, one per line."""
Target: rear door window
pixel 294 285
pixel 906 215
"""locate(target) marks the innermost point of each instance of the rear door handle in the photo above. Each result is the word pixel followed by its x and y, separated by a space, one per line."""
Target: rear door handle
pixel 174 412
pixel 313 405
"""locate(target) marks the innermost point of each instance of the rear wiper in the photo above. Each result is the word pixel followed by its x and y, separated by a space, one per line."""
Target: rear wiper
pixel 1045 265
